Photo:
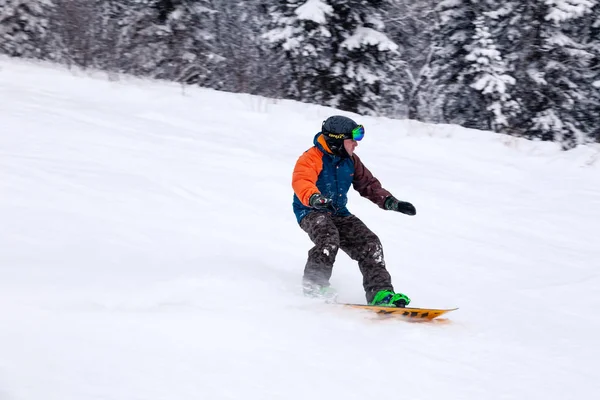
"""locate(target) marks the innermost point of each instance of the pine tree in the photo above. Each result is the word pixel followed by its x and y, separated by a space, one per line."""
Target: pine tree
pixel 551 64
pixel 147 49
pixel 23 27
pixel 409 25
pixel 301 30
pixel 489 75
pixel 76 32
pixel 454 35
pixel 338 52
pixel 367 67
pixel 113 38
pixel 168 40
pixel 520 67
pixel 191 42
pixel 244 63
pixel 590 33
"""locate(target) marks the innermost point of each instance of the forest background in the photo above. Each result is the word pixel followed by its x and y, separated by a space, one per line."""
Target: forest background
pixel 528 68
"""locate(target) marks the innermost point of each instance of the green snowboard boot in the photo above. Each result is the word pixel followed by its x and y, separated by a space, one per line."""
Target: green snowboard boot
pixel 326 293
pixel 387 298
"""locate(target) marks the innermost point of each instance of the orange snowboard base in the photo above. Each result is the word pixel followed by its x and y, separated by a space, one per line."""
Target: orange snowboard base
pixel 414 314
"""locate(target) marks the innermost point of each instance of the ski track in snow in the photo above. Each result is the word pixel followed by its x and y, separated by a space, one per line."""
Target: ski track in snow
pixel 148 250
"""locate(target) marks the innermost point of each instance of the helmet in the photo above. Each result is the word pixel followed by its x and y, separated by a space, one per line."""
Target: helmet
pixel 337 125
pixel 335 129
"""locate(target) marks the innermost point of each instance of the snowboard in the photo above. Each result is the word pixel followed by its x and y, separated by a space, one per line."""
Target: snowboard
pixel 412 314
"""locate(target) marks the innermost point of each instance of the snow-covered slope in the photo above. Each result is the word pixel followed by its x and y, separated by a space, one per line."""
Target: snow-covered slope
pixel 148 250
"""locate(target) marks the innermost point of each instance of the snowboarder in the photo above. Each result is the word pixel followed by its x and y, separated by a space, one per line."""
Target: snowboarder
pixel 321 180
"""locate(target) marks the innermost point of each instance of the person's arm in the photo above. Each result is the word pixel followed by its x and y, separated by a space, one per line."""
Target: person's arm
pixel 368 186
pixel 305 175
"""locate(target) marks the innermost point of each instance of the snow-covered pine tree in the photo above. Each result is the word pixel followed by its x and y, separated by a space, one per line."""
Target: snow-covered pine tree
pixel 301 31
pixel 589 31
pixel 168 40
pixel 192 42
pixel 541 45
pixel 594 46
pixel 490 76
pixel 244 62
pixel 454 35
pixel 76 32
pixel 24 26
pixel 409 24
pixel 114 35
pixel 367 71
pixel 551 65
pixel 338 52
pixel 146 48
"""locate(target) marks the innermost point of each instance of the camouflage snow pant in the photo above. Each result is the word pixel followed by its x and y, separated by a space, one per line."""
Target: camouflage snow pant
pixel 330 233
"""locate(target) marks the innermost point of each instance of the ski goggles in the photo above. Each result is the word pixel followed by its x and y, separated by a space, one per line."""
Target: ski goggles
pixel 358 133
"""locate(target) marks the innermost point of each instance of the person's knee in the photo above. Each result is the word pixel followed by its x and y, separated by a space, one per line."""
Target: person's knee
pixel 329 237
pixel 329 242
pixel 330 248
pixel 373 250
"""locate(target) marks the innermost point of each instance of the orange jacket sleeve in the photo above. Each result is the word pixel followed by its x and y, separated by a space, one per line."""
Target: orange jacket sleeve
pixel 306 172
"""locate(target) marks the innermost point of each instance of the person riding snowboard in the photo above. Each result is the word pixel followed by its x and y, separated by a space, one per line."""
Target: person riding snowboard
pixel 321 180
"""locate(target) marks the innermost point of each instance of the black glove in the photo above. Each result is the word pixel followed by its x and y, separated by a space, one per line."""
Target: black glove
pixel 319 201
pixel 392 203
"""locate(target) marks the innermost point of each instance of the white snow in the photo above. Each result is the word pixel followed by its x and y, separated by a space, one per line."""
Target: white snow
pixel 314 10
pixel 364 36
pixel 148 250
pixel 563 10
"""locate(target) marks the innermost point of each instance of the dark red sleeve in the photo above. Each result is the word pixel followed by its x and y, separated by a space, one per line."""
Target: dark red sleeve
pixel 366 184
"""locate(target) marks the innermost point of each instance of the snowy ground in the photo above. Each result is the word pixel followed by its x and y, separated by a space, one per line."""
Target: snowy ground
pixel 148 250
